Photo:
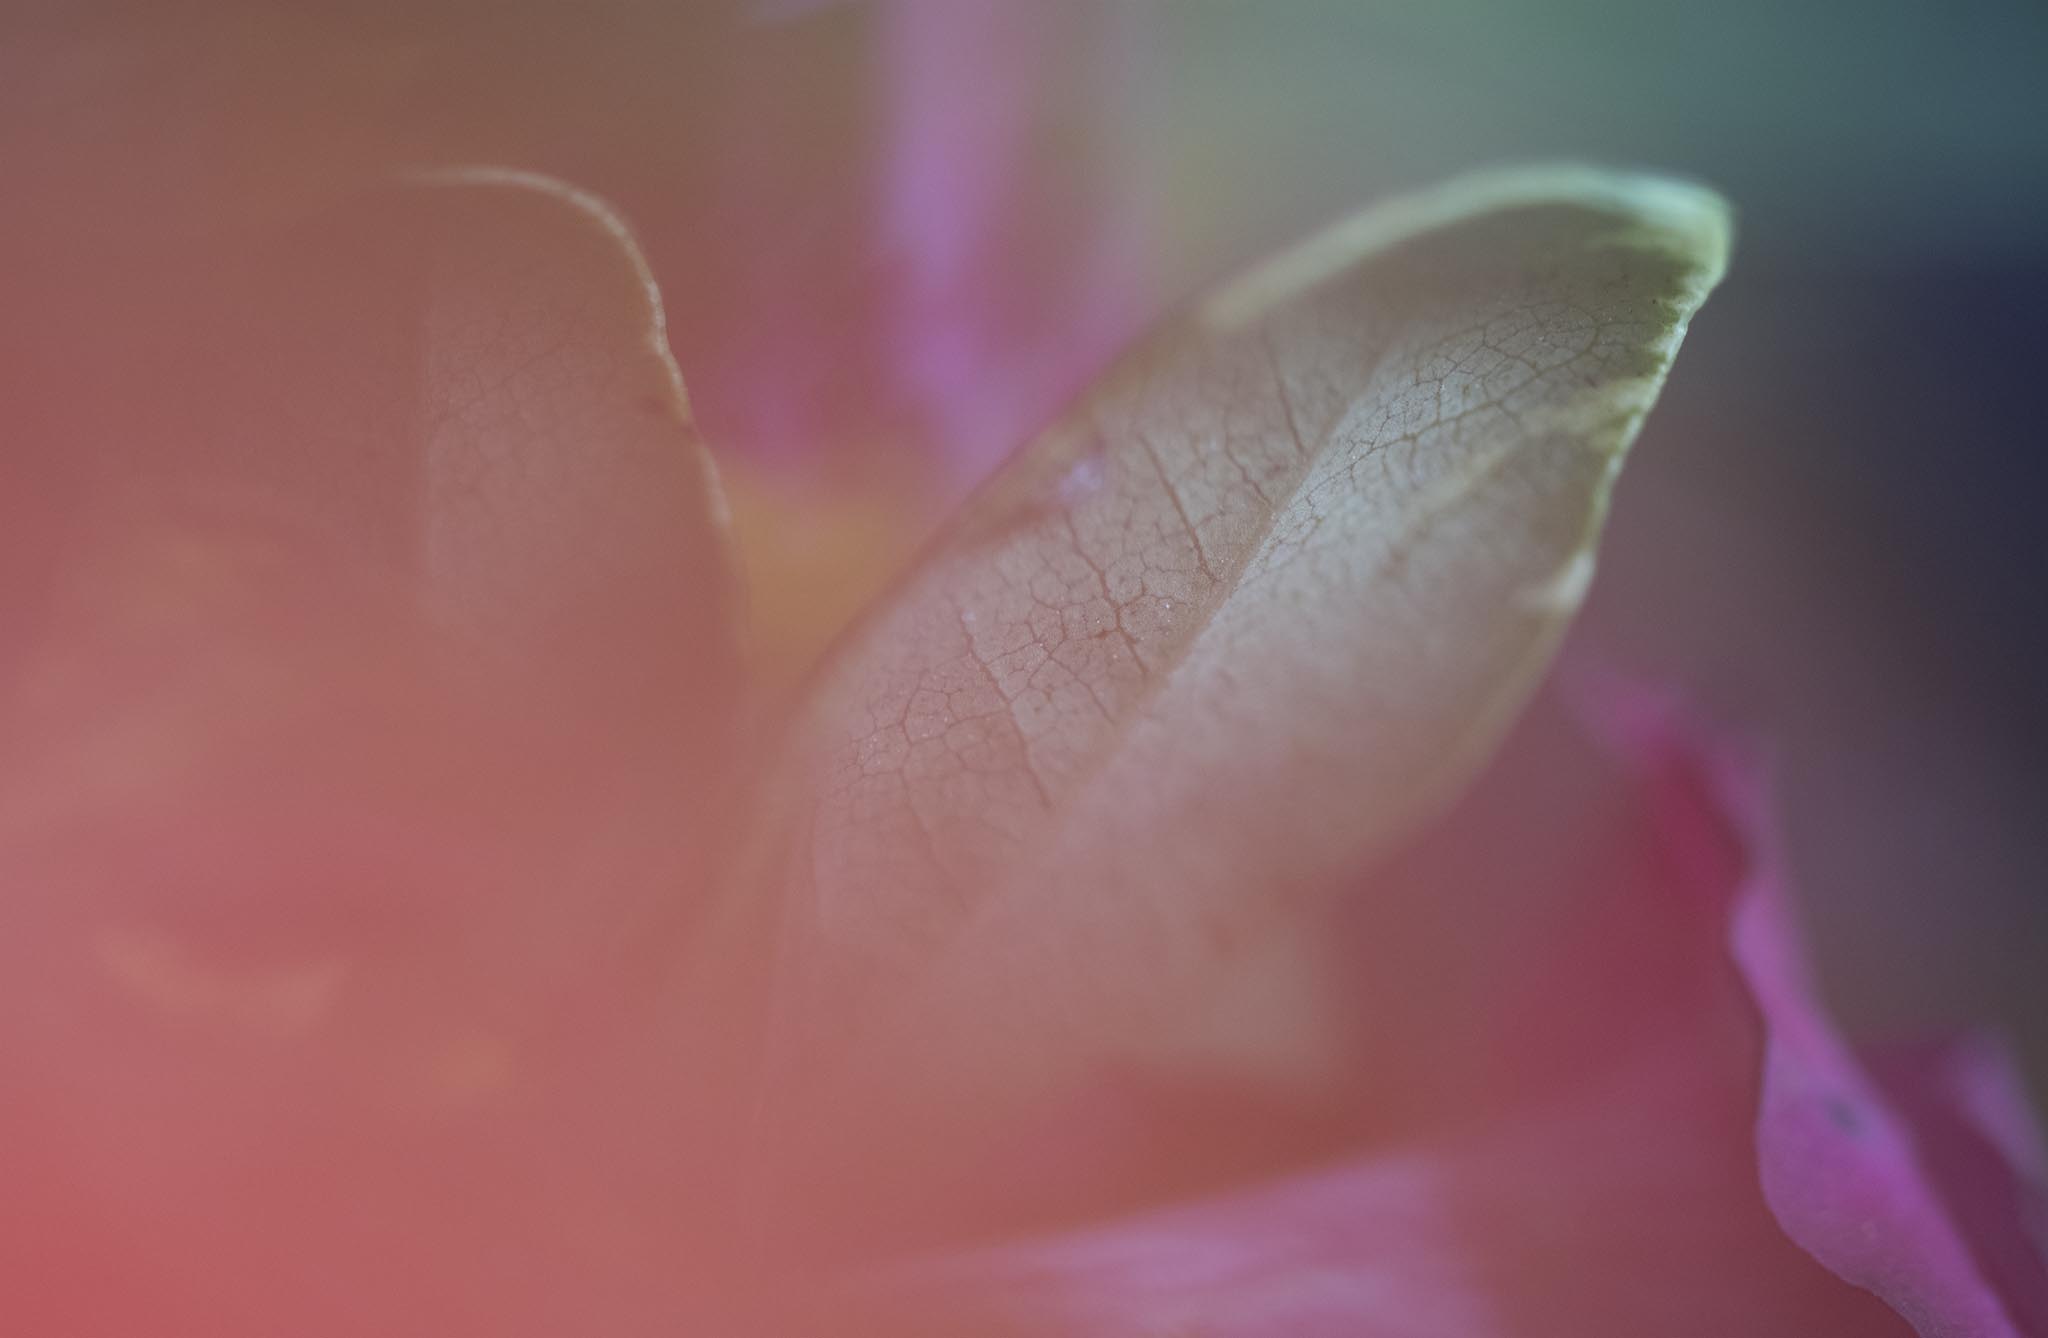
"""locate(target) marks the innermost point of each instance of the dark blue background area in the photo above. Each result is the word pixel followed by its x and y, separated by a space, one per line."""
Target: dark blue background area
pixel 1960 466
pixel 1833 532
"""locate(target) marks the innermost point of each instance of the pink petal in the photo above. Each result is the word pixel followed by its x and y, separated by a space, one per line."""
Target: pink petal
pixel 1978 1137
pixel 1844 1169
pixel 1023 269
pixel 1858 1181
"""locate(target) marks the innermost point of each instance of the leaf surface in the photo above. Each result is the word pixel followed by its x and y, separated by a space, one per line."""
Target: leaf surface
pixel 1247 612
pixel 461 382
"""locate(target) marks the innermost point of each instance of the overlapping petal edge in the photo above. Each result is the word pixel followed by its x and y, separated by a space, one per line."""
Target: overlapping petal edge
pixel 1767 1179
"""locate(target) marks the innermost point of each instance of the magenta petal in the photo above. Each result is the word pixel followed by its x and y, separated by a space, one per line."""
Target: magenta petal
pixel 1021 271
pixel 1896 1187
pixel 1851 1174
pixel 1841 1166
pixel 1978 1138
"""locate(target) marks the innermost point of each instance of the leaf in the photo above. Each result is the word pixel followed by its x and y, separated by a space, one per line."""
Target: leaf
pixel 1252 608
pixel 571 509
pixel 462 381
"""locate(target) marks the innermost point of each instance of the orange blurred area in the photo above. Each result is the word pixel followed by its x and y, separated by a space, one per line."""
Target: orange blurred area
pixel 813 556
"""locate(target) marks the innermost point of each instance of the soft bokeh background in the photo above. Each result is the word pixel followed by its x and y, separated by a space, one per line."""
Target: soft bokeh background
pixel 894 234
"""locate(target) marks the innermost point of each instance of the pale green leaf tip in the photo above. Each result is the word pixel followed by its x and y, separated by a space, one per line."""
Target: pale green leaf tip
pixel 599 212
pixel 1684 219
